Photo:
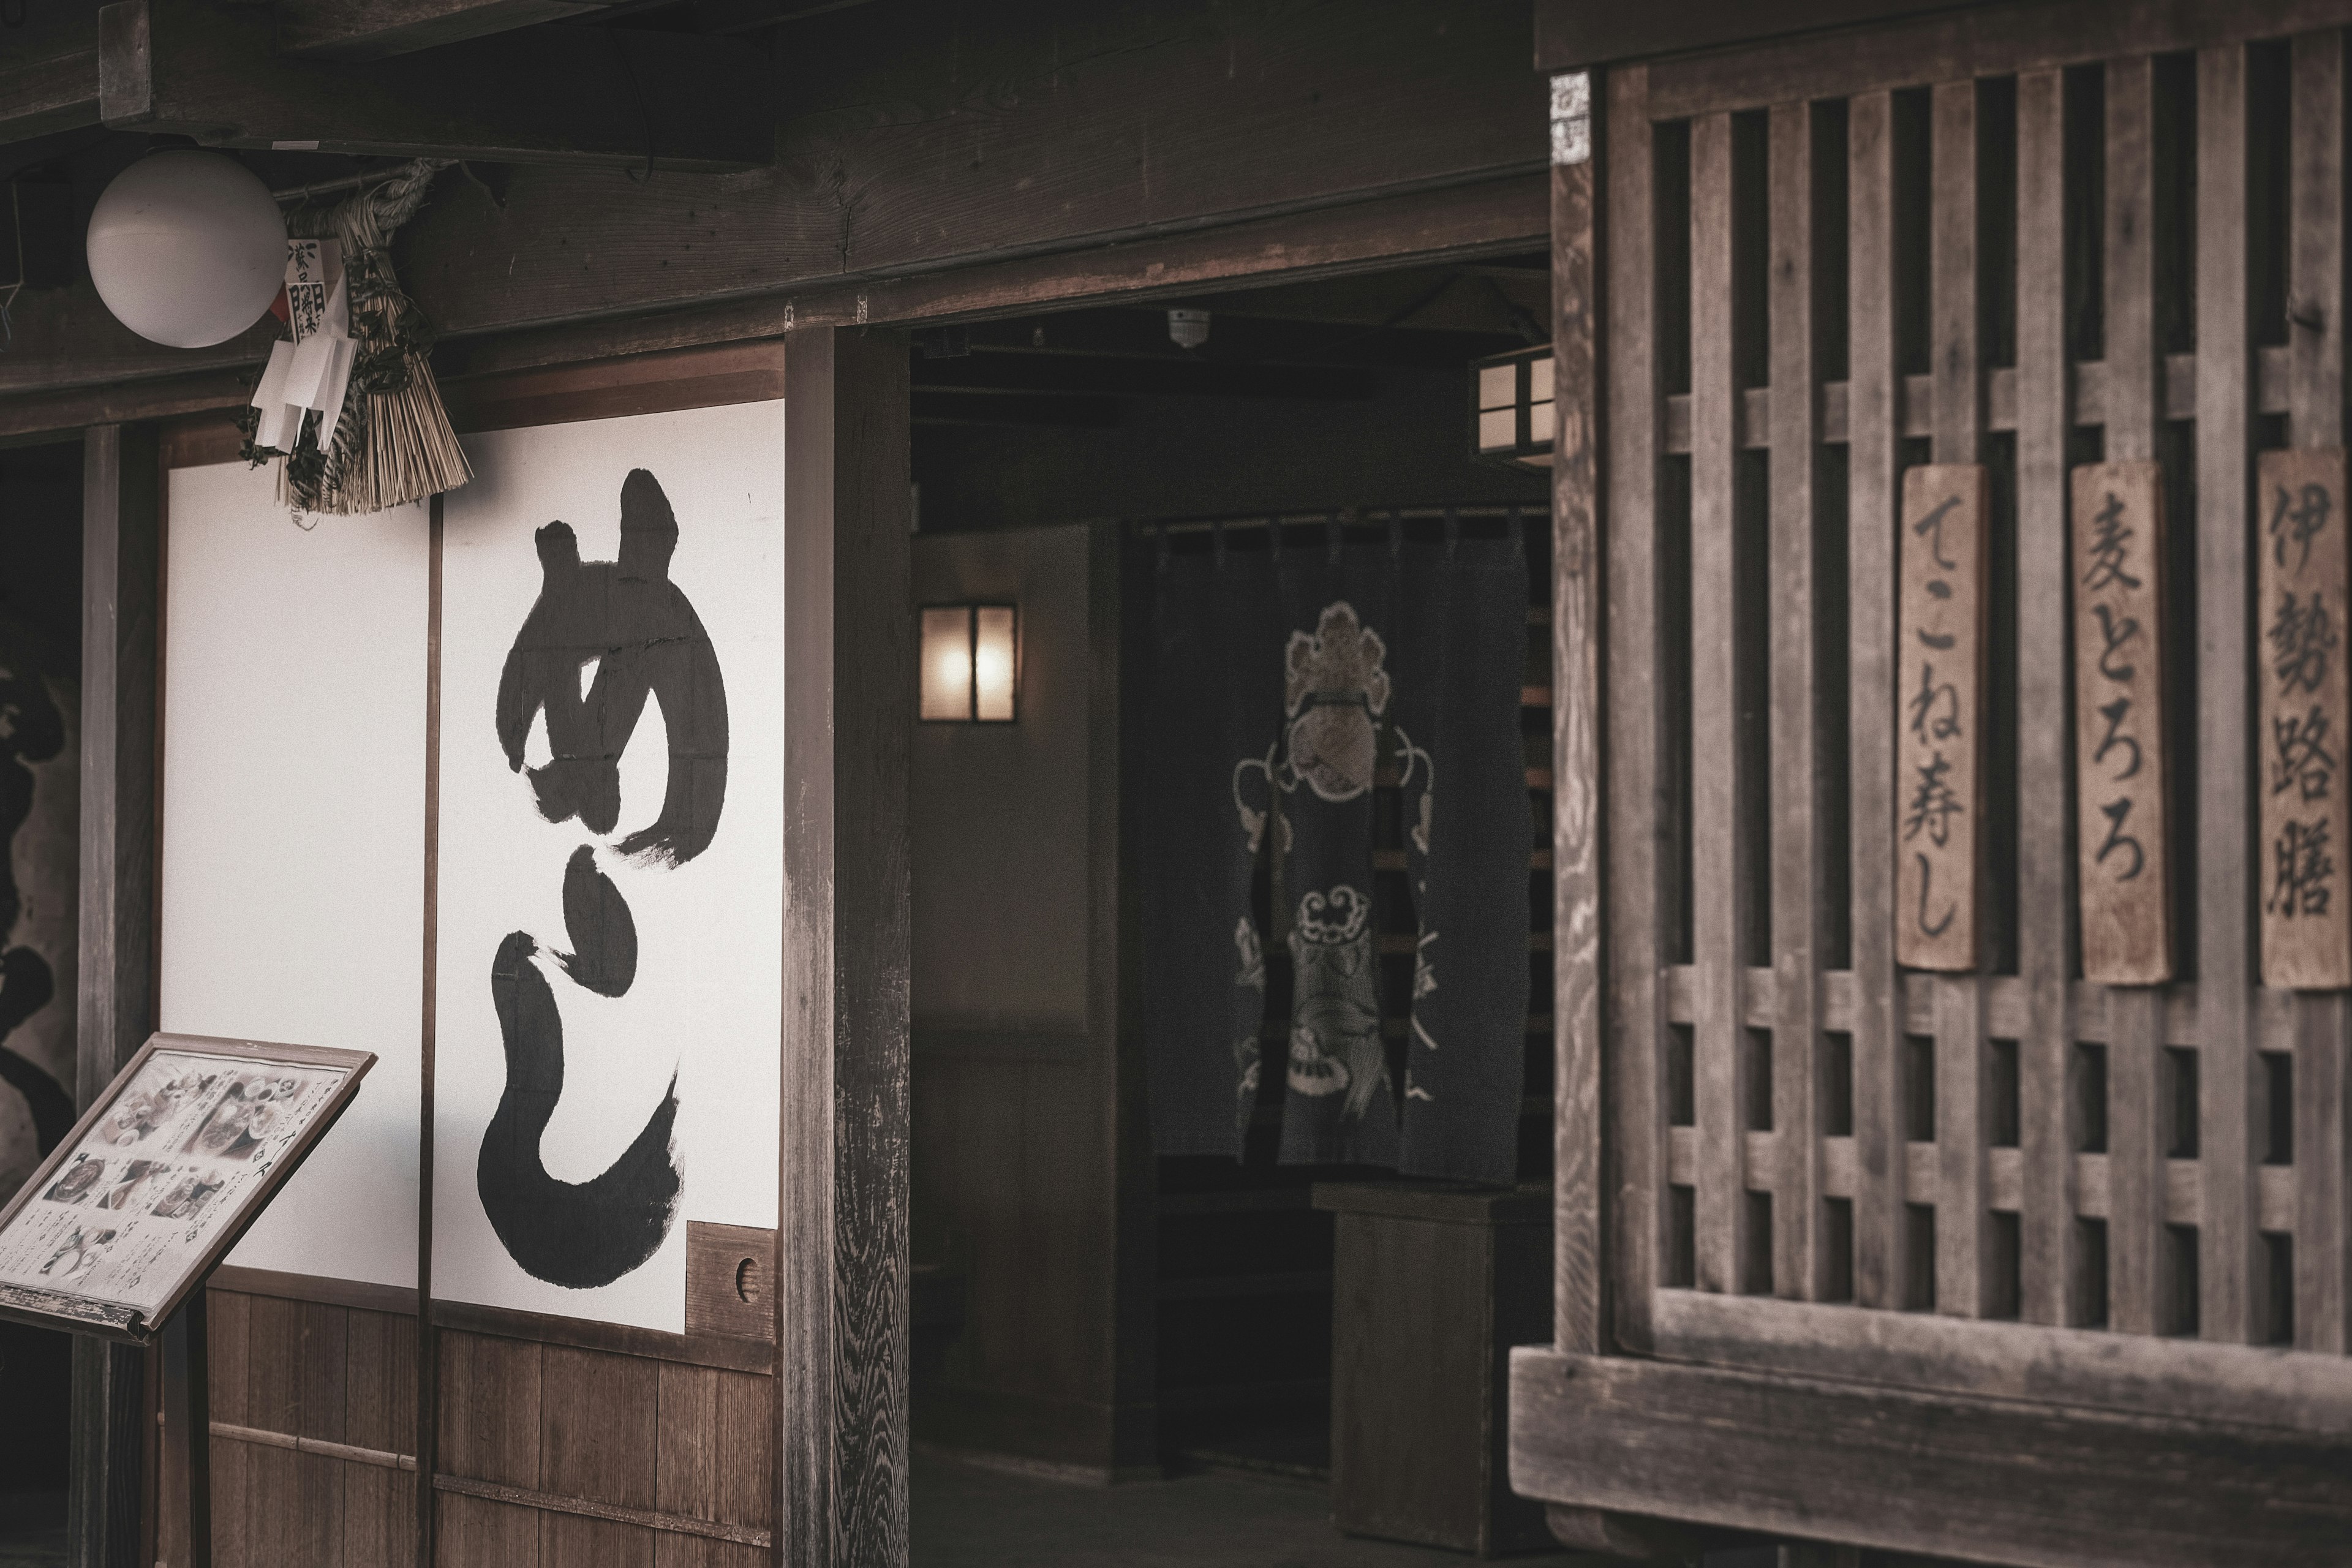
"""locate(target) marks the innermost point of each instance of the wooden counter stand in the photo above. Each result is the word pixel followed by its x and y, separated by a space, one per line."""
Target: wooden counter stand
pixel 1431 1287
pixel 2300 723
pixel 2120 763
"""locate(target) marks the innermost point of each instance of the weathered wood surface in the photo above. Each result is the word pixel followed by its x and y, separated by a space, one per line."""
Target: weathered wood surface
pixel 843 1308
pixel 1574 33
pixel 1940 791
pixel 2301 717
pixel 2049 1251
pixel 373 29
pixel 731 1281
pixel 1969 42
pixel 1881 1241
pixel 2232 1267
pixel 2000 1481
pixel 122 609
pixel 1718 854
pixel 48 72
pixel 556 95
pixel 1071 127
pixel 2140 1374
pixel 2121 760
pixel 1635 712
pixel 1802 1266
pixel 1578 557
pixel 2323 1107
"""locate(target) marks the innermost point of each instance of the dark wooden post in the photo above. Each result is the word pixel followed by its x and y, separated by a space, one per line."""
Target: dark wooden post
pixel 122 603
pixel 187 1432
pixel 849 676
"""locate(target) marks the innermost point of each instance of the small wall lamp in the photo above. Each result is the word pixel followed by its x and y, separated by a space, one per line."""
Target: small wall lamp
pixel 1511 408
pixel 970 663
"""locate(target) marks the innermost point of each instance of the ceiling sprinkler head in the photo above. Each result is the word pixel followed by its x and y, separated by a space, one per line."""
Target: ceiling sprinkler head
pixel 1188 328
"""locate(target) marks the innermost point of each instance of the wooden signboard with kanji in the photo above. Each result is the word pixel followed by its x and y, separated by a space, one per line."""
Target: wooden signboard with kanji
pixel 2299 681
pixel 2117 564
pixel 1939 676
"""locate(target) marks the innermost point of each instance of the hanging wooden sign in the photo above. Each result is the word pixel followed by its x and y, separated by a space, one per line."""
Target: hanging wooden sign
pixel 2299 720
pixel 1939 668
pixel 2119 743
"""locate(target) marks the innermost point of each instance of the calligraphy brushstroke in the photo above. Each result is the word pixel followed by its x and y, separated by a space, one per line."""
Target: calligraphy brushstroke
pixel 32 730
pixel 1940 757
pixel 2300 557
pixel 2116 565
pixel 625 618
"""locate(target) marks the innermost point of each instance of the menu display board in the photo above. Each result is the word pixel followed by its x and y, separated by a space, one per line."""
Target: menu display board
pixel 161 1176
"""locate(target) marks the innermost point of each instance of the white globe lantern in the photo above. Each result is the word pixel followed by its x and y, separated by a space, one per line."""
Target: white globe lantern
pixel 187 247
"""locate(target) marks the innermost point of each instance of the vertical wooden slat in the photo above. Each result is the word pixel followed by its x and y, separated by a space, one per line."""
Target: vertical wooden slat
pixel 1716 784
pixel 273 1510
pixel 1577 553
pixel 2230 1262
pixel 2136 1296
pixel 227 1315
pixel 320 1399
pixel 1800 1265
pixel 2047 1261
pixel 1964 1195
pixel 2315 294
pixel 1872 433
pixel 122 604
pixel 1634 712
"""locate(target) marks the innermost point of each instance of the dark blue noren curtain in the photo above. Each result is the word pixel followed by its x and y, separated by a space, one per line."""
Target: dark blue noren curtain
pixel 1461 642
pixel 1300 680
pixel 1217 627
pixel 1337 691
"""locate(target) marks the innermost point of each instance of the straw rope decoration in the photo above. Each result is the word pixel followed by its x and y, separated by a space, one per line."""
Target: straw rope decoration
pixel 394 444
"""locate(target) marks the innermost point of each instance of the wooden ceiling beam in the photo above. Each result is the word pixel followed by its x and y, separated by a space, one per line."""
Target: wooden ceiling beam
pixel 577 95
pixel 48 71
pixel 378 29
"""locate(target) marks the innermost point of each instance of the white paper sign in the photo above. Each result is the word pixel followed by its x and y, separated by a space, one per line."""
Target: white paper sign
pixel 612 758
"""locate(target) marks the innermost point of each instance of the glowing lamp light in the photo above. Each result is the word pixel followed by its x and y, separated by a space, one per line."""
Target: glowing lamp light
pixel 1511 408
pixel 970 659
pixel 187 247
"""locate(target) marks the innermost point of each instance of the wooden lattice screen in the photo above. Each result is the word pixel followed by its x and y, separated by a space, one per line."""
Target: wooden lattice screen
pixel 2008 1182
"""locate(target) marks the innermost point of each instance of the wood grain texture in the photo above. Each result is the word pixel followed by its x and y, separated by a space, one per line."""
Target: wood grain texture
pixel 1802 1266
pixel 488 1406
pixel 1939 792
pixel 2316 286
pixel 2231 1266
pixel 557 95
pixel 370 30
pixel 2050 1290
pixel 731 1281
pixel 1880 1240
pixel 2170 1379
pixel 228 1317
pixel 1634 712
pixel 2139 1299
pixel 1717 789
pixel 842 1448
pixel 1972 41
pixel 2122 762
pixel 379 1414
pixel 120 681
pixel 1580 1294
pixel 1998 1481
pixel 321 1397
pixel 598 1442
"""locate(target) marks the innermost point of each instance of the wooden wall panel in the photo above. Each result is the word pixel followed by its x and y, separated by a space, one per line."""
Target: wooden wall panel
pixel 227 1315
pixel 599 1440
pixel 490 1410
pixel 378 1413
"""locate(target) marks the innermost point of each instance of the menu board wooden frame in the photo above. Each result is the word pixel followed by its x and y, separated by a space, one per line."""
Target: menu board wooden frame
pixel 248 1204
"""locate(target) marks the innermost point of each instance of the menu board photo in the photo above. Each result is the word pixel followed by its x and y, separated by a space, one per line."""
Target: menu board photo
pixel 161 1176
